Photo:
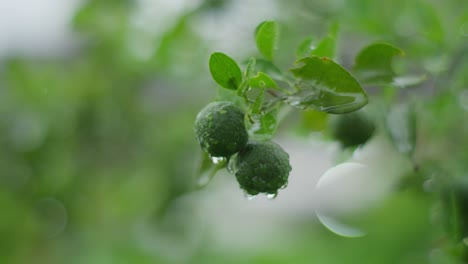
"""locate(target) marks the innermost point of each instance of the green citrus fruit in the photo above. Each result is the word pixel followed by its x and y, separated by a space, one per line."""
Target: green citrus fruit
pixel 220 129
pixel 262 167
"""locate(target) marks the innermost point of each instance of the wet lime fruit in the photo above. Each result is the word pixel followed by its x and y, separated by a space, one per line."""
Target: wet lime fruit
pixel 220 129
pixel 262 167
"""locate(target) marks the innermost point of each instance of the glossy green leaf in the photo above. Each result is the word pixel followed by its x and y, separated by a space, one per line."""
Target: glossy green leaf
pixel 326 86
pixel 401 124
pixel 225 71
pixel 262 80
pixel 266 38
pixel 374 63
pixel 258 27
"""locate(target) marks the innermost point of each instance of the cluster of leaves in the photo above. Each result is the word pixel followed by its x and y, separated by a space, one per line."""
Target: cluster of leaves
pixel 315 82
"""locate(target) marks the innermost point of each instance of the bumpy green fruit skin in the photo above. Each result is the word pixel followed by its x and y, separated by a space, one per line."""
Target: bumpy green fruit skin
pixel 262 167
pixel 351 129
pixel 220 129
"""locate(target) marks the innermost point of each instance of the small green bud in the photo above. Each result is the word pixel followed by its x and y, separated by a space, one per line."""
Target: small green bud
pixel 262 167
pixel 220 129
pixel 351 129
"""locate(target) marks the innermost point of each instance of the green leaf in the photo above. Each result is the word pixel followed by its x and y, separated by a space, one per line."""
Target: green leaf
pixel 266 38
pixel 243 88
pixel 327 46
pixel 326 86
pixel 263 126
pixel 269 68
pixel 257 105
pixel 374 63
pixel 250 68
pixel 225 71
pixel 262 80
pixel 305 48
pixel 258 27
pixel 401 124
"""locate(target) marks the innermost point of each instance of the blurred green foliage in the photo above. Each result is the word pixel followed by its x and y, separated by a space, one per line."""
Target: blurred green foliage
pixel 95 147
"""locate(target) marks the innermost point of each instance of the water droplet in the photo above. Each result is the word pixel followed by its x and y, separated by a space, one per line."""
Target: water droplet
pixel 272 196
pixel 232 164
pixel 340 193
pixel 249 196
pixel 338 227
pixel 204 179
pixel 465 241
pixel 218 160
pixel 284 186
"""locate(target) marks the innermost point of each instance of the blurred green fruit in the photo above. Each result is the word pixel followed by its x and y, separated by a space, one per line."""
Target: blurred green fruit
pixel 351 129
pixel 220 129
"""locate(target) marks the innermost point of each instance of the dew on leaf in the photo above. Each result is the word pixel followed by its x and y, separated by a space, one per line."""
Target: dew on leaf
pixel 326 100
pixel 326 86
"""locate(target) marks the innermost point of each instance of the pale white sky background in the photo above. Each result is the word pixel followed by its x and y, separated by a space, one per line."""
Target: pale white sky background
pixel 36 27
pixel 42 27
